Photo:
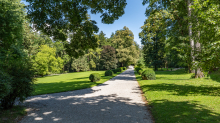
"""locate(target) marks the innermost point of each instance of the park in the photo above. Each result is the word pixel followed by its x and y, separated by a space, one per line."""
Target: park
pixel 109 61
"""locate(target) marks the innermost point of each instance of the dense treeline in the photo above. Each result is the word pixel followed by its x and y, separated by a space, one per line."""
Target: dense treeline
pixel 182 33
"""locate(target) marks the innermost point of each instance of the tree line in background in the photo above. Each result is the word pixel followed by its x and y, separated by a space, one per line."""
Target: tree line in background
pixel 182 33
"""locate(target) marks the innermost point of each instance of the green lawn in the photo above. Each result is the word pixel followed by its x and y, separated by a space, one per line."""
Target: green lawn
pixel 175 98
pixel 68 82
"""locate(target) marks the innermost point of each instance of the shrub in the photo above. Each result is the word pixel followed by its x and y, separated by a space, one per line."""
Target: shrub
pixel 124 68
pixel 114 70
pixel 109 73
pixel 140 72
pixel 148 75
pixel 119 69
pixel 137 69
pixel 94 77
pixel 22 84
pixel 5 85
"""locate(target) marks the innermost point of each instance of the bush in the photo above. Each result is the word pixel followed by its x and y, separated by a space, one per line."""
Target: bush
pixel 148 75
pixel 109 73
pixel 22 84
pixel 5 84
pixel 119 69
pixel 124 68
pixel 94 77
pixel 137 69
pixel 140 72
pixel 114 70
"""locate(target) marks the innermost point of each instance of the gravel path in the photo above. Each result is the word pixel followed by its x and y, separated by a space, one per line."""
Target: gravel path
pixel 118 100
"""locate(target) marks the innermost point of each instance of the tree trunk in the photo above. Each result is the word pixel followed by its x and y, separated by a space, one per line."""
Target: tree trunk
pixel 196 47
pixel 190 32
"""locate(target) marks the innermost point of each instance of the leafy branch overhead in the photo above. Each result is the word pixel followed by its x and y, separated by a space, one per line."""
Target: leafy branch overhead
pixel 58 17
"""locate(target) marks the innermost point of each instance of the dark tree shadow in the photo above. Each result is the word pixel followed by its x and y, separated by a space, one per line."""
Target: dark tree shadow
pixel 182 112
pixel 215 76
pixel 184 90
pixel 177 72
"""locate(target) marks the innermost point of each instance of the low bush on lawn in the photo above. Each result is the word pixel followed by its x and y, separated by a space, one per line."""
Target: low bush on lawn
pixel 109 73
pixel 94 77
pixel 148 75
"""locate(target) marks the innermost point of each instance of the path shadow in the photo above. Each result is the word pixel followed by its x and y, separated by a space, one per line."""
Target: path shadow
pixel 71 108
pixel 182 112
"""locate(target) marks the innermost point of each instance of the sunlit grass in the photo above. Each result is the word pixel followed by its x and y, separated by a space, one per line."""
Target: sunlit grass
pixel 175 98
pixel 68 82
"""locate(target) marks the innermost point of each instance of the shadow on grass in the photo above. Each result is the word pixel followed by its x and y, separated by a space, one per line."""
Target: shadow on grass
pixel 177 72
pixel 215 76
pixel 184 90
pixel 165 111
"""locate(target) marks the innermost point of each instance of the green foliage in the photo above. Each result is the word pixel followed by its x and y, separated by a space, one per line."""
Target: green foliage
pixel 137 69
pixel 94 77
pixel 119 69
pixel 5 84
pixel 124 68
pixel 109 73
pixel 140 63
pixel 45 61
pixel 140 71
pixel 80 64
pixel 126 47
pixel 11 22
pixel 108 58
pixel 148 75
pixel 71 16
pixel 16 74
pixel 115 70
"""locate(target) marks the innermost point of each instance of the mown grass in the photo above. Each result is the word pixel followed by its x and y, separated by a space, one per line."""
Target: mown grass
pixel 12 115
pixel 175 98
pixel 68 82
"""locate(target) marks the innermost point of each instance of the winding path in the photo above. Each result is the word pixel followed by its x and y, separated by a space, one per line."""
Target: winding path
pixel 118 100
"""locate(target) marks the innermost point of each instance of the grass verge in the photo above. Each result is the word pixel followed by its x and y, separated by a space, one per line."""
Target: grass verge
pixel 68 82
pixel 175 98
pixel 12 115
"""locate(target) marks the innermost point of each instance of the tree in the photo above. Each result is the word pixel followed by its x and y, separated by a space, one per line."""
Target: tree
pixel 80 64
pixel 126 48
pixel 108 58
pixel 56 18
pixel 15 67
pixel 45 61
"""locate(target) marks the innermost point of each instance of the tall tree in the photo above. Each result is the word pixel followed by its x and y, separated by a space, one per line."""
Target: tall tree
pixel 108 58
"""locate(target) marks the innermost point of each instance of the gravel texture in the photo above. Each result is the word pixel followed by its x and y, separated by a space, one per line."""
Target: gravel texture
pixel 118 100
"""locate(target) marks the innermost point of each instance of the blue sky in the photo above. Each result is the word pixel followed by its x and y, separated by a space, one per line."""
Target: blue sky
pixel 133 18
